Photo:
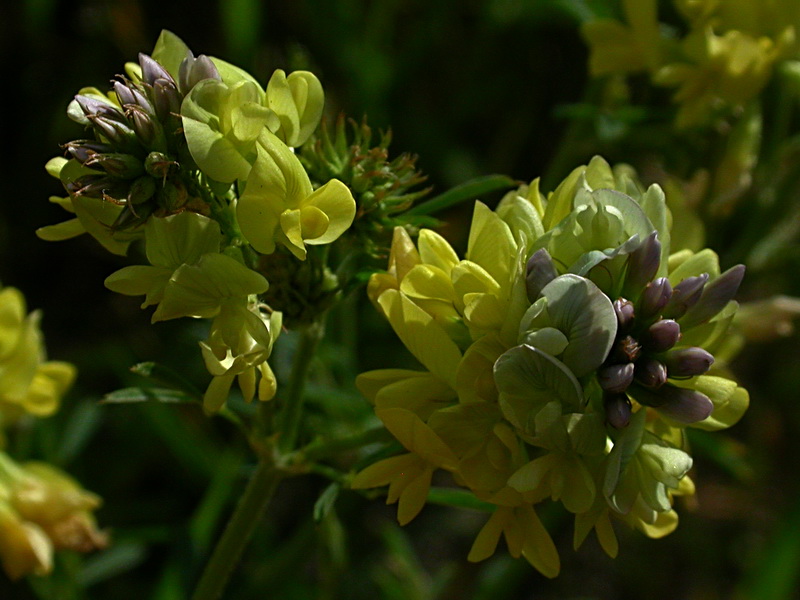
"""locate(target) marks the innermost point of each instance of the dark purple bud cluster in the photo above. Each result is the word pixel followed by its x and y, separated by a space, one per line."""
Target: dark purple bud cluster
pixel 139 148
pixel 647 353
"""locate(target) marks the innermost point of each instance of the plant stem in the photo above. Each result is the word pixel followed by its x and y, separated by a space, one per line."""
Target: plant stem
pixel 265 478
pixel 238 531
pixel 293 410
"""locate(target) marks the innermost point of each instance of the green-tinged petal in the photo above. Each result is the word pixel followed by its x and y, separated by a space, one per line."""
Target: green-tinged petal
pixel 140 280
pixel 485 543
pixel 169 52
pixel 372 382
pixel 309 99
pixel 336 201
pixel 412 498
pixel 435 251
pixel 729 399
pixel 625 446
pixel 199 290
pixel 417 437
pixel 475 375
pixel 231 74
pixel 61 231
pixel 97 216
pixel 425 338
pixel 527 379
pixel 428 282
pixel 538 547
pixel 491 244
pixel 217 393
pixel 181 238
pixel 281 102
pixel 421 395
pixel 484 312
pixel 384 471
pixel 54 166
pixel 688 264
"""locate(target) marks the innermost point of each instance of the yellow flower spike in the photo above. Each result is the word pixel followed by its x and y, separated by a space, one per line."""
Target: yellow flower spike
pixel 420 333
pixel 279 204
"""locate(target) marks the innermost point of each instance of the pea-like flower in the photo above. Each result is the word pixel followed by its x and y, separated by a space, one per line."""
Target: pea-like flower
pixel 563 357
pixel 29 384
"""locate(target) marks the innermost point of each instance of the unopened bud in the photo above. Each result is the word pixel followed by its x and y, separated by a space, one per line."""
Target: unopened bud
pixel 716 296
pixel 651 373
pixel 83 150
pixel 115 132
pixel 688 362
pixel 124 93
pixel 151 70
pixel 116 164
pixel 158 164
pixel 625 313
pixel 616 378
pixel 94 107
pixel 540 271
pixel 655 297
pixel 148 131
pixel 680 404
pixel 685 295
pixel 167 99
pixel 662 335
pixel 142 190
pixel 618 410
pixel 643 265
pixel 194 70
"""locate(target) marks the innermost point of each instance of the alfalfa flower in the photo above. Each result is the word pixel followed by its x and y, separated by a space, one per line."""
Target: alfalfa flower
pixel 564 355
pixel 42 510
pixel 29 384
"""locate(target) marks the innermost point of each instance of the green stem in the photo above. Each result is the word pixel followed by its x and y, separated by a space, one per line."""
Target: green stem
pixel 325 448
pixel 293 410
pixel 239 530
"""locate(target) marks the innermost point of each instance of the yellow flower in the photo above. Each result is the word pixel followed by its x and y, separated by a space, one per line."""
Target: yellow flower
pixel 28 383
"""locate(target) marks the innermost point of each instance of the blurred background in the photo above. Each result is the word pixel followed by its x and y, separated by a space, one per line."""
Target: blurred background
pixel 473 87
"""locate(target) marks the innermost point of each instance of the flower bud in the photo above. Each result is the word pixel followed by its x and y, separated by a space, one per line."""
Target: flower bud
pixel 170 197
pixel 194 70
pixel 662 335
pixel 83 150
pixel 147 129
pixel 688 362
pixel 616 378
pixel 680 404
pixel 124 93
pixel 92 107
pixel 158 164
pixel 715 296
pixel 167 99
pixel 625 313
pixel 540 272
pixel 643 265
pixel 618 410
pixel 142 190
pixel 685 295
pixel 117 164
pixel 116 132
pixel 651 373
pixel 93 186
pixel 151 70
pixel 130 217
pixel 655 297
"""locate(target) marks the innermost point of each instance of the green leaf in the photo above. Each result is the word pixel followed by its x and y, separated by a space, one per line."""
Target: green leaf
pixel 462 193
pixel 121 557
pixel 134 395
pixel 326 501
pixel 167 377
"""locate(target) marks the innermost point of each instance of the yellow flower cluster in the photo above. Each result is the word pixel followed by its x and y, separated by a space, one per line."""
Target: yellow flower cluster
pixel 721 64
pixel 515 401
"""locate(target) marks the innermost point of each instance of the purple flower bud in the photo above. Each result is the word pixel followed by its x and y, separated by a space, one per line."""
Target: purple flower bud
pixel 83 150
pixel 616 378
pixel 115 132
pixel 716 296
pixel 679 404
pixel 618 410
pixel 94 107
pixel 656 295
pixel 167 99
pixel 116 164
pixel 643 265
pixel 625 313
pixel 685 295
pixel 151 70
pixel 651 373
pixel 688 362
pixel 661 335
pixel 540 272
pixel 148 131
pixel 96 186
pixel 194 70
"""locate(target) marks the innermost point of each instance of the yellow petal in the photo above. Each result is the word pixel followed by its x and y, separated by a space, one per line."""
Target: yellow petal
pixel 336 201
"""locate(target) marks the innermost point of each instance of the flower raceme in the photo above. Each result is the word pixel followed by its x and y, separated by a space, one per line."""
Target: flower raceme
pixel 194 157
pixel 563 356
